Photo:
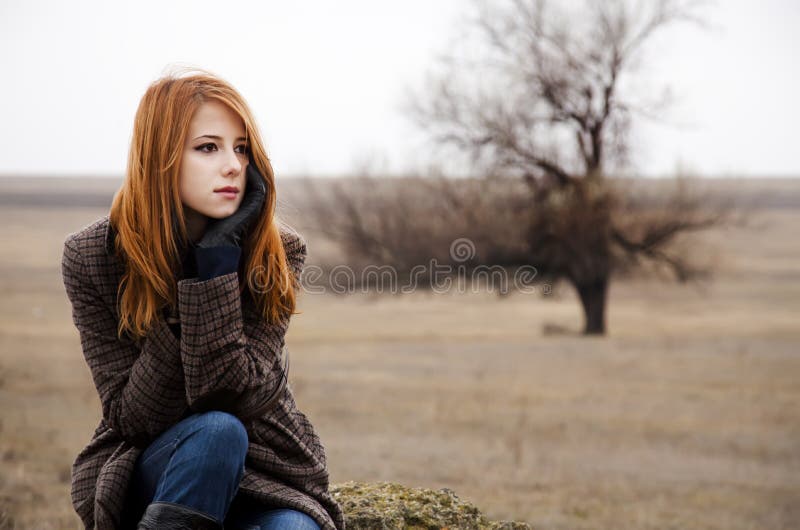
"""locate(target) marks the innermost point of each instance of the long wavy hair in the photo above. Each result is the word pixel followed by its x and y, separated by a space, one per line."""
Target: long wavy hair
pixel 148 216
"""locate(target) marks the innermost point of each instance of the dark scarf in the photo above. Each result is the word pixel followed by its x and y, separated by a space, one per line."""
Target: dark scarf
pixel 188 262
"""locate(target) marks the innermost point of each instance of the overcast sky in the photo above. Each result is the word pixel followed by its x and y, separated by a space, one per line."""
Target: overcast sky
pixel 325 81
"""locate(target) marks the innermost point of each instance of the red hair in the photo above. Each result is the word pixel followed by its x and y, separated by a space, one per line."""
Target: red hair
pixel 146 206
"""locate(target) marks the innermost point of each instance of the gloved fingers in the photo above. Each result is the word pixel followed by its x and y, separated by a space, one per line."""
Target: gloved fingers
pixel 255 183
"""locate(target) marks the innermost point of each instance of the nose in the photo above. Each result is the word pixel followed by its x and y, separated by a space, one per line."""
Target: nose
pixel 233 166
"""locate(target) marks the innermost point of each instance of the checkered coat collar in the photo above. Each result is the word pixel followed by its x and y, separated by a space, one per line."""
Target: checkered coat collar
pixel 110 236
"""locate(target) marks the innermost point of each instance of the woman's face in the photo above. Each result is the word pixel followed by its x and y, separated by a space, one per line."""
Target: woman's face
pixel 214 157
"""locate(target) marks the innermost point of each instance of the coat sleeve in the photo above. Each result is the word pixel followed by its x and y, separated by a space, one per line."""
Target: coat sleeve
pixel 231 361
pixel 141 387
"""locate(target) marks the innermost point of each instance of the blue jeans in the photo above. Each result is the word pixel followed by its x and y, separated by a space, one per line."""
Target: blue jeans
pixel 198 463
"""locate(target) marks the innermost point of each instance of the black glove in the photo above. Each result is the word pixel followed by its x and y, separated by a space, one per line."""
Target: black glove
pixel 218 251
pixel 228 232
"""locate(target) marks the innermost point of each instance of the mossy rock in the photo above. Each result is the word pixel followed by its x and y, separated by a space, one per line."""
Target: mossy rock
pixel 390 506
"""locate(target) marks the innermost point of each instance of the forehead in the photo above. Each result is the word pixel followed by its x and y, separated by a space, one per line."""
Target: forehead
pixel 213 117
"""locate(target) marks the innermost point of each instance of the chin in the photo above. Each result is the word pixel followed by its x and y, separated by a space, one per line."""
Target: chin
pixel 221 213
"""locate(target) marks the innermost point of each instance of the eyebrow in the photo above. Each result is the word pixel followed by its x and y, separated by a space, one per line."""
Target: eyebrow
pixel 215 137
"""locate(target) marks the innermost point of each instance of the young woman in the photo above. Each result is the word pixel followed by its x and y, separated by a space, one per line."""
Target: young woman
pixel 182 296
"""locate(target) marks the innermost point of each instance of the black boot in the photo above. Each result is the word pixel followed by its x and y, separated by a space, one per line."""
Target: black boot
pixel 170 516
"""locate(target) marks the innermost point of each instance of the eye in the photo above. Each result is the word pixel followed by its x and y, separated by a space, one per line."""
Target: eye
pixel 204 147
pixel 243 149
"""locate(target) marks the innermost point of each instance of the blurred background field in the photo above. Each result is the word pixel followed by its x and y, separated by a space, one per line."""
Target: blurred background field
pixel 686 415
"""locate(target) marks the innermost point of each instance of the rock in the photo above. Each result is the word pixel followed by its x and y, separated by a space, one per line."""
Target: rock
pixel 389 506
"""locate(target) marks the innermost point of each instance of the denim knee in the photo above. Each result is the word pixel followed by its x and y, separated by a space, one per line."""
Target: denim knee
pixel 272 519
pixel 295 520
pixel 225 436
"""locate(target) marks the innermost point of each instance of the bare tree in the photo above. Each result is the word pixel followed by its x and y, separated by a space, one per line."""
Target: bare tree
pixel 545 104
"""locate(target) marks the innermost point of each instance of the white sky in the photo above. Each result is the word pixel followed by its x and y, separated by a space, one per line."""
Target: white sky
pixel 325 81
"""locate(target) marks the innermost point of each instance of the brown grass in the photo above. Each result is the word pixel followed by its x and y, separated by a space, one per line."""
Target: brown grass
pixel 686 416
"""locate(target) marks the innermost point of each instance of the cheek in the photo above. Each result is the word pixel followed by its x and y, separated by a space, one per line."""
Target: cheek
pixel 189 180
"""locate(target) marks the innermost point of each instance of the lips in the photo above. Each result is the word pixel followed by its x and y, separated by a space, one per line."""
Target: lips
pixel 227 189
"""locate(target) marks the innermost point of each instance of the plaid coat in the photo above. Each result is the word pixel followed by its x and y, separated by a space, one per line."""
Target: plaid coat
pixel 227 357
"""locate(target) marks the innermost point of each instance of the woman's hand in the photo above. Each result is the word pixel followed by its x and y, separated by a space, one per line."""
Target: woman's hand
pixel 228 232
pixel 220 248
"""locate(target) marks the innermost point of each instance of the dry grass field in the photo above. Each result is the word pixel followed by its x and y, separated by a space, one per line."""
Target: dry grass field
pixel 686 416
